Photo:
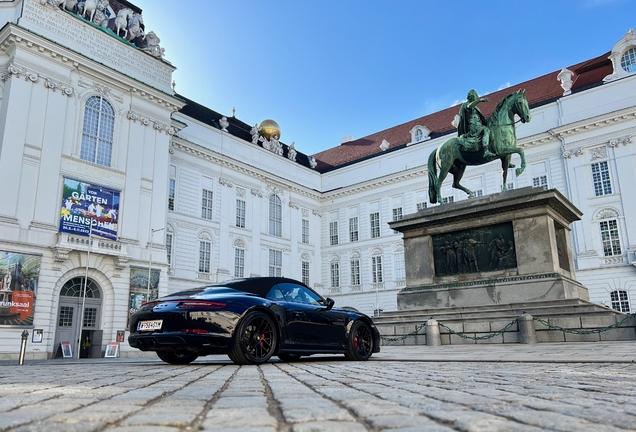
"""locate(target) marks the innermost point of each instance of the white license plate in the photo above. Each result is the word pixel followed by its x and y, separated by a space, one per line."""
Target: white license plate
pixel 149 325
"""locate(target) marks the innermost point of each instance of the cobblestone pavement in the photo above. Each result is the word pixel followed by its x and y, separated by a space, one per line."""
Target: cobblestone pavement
pixel 320 394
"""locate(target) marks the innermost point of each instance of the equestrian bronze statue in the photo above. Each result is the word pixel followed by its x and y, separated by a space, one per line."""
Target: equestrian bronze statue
pixel 479 141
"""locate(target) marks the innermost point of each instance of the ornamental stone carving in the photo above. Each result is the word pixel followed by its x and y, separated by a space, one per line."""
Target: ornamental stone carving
pixel 294 205
pixel 565 76
pixel 257 192
pixel 225 182
pixel 606 213
pixel 567 154
pixel 616 142
pixel 312 162
pixel 598 153
pixel 291 152
pixel 224 123
pixel 255 133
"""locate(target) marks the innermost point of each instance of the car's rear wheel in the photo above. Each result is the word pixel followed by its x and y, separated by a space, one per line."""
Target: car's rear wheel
pixel 360 342
pixel 255 339
pixel 179 358
pixel 289 357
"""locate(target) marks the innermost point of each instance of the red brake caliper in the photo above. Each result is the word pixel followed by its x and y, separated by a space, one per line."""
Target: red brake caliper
pixel 262 337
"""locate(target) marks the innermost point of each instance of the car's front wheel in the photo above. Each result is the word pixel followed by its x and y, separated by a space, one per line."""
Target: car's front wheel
pixel 180 358
pixel 360 342
pixel 254 340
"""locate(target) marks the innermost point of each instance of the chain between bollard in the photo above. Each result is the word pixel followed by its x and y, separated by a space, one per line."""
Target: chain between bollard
pixel 510 324
pixel 585 332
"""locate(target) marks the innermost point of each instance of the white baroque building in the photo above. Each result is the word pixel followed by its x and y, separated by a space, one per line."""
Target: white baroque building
pixel 178 195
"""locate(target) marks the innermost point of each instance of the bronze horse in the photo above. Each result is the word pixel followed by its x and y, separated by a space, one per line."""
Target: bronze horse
pixel 449 158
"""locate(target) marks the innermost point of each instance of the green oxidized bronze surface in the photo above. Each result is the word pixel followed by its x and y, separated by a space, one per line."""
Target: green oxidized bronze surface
pixel 475 250
pixel 479 141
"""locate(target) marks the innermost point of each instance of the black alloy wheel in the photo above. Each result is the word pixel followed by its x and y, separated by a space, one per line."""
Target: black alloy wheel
pixel 255 339
pixel 360 342
pixel 179 358
pixel 289 357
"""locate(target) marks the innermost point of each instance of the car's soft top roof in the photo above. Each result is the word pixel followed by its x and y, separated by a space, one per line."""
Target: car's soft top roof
pixel 256 285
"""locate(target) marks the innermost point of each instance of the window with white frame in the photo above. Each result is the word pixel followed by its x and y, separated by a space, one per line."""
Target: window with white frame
pixel 335 274
pixel 601 179
pixel 355 271
pixel 610 238
pixel 169 247
pixel 540 181
pixel 172 187
pixel 305 231
pixel 400 270
pixel 375 224
pixel 205 253
pixel 239 262
pixel 304 273
pixel 275 263
pixel 98 131
pixel 478 193
pixel 628 60
pixel 376 268
pixel 240 213
pixel 511 185
pixel 275 216
pixel 422 205
pixel 206 204
pixel 448 199
pixel 397 215
pixel 620 301
pixel 353 229
pixel 333 233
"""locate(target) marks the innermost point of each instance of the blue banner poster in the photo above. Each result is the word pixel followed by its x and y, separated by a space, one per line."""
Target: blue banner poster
pixel 85 204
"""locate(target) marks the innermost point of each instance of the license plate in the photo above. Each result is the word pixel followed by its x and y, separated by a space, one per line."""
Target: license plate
pixel 149 325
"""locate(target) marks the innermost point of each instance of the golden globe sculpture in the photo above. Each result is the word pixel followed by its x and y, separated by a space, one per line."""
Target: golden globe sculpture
pixel 269 128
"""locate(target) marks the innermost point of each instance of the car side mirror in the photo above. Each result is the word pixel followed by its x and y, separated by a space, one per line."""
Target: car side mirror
pixel 329 303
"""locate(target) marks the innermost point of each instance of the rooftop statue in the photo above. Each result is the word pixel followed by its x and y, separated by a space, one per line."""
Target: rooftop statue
pixel 479 141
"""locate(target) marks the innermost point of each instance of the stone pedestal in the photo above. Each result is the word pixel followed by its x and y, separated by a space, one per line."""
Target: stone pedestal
pixel 510 247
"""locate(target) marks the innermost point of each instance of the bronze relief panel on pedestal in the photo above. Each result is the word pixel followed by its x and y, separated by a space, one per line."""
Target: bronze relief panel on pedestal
pixel 475 250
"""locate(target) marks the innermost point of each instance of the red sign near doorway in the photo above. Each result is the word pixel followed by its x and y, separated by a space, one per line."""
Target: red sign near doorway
pixel 21 303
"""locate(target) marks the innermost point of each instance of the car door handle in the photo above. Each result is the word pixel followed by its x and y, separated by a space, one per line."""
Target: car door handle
pixel 298 314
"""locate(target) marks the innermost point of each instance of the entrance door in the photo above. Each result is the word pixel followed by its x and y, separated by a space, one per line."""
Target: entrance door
pixel 68 317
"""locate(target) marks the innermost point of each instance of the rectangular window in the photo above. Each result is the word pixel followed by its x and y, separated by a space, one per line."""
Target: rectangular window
pixel 66 316
pixel 275 216
pixel 541 181
pixel 169 247
pixel 305 272
pixel 376 268
pixel 422 206
pixel 478 193
pixel 335 274
pixel 375 225
pixel 206 204
pixel 353 229
pixel 333 233
pixel 511 186
pixel 397 215
pixel 305 231
pixel 400 272
pixel 355 272
pixel 620 302
pixel 205 251
pixel 448 199
pixel 239 262
pixel 610 239
pixel 90 317
pixel 171 193
pixel 240 213
pixel 601 178
pixel 275 263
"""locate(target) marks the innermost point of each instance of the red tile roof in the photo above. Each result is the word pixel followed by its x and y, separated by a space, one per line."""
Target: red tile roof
pixel 539 91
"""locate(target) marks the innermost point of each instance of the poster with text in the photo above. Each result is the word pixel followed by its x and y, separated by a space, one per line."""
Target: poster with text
pixel 85 204
pixel 19 277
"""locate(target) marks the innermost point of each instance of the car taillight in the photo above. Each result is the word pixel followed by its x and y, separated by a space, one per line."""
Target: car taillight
pixel 194 331
pixel 200 304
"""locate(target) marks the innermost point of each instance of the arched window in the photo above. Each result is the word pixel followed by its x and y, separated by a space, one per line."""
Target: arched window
pixel 620 301
pixel 75 288
pixel 98 131
pixel 275 216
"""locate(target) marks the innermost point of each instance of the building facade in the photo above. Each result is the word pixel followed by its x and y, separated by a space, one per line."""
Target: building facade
pixel 117 189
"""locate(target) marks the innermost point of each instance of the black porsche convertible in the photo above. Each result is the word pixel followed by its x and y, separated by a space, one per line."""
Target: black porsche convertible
pixel 251 320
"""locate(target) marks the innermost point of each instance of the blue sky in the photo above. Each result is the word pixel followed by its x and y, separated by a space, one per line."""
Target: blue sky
pixel 325 69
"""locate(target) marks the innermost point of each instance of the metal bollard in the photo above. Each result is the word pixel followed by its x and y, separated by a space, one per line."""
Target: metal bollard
pixel 25 336
pixel 432 333
pixel 527 335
